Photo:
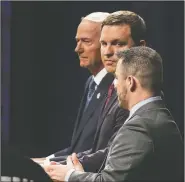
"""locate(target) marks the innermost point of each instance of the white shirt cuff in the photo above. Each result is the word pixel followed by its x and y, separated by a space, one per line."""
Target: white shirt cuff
pixel 68 174
pixel 50 156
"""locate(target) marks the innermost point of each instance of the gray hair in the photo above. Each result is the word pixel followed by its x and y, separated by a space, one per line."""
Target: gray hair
pixel 97 17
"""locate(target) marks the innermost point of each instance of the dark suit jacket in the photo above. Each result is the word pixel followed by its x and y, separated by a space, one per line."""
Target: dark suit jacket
pixel 148 147
pixel 86 122
pixel 111 119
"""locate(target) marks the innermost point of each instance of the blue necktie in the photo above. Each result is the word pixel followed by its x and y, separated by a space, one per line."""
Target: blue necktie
pixel 91 90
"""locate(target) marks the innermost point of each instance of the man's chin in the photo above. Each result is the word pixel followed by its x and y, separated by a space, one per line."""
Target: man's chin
pixel 122 105
pixel 110 69
pixel 83 65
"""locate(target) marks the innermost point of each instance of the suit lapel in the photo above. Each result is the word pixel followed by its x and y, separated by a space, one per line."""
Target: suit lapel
pixel 97 98
pixel 94 102
pixel 81 108
pixel 104 113
pixel 110 103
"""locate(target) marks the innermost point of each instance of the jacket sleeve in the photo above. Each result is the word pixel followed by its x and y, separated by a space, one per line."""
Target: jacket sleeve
pixel 93 162
pixel 62 158
pixel 129 150
pixel 64 152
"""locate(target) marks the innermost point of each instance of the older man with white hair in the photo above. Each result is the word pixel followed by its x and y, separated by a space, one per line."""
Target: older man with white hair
pixel 89 132
pixel 111 116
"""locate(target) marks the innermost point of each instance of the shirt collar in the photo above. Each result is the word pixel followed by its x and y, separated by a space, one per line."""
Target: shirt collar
pixel 142 103
pixel 114 82
pixel 98 78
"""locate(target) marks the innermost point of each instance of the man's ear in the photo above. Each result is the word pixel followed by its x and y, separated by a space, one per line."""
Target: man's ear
pixel 131 83
pixel 142 43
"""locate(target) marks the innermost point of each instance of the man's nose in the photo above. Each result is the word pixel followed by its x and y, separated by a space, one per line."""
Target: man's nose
pixel 78 47
pixel 108 51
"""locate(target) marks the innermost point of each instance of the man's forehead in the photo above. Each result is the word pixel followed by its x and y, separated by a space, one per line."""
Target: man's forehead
pixel 121 31
pixel 121 27
pixel 87 34
pixel 88 29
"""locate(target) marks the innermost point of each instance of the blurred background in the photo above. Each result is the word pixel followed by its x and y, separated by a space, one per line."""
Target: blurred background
pixel 42 82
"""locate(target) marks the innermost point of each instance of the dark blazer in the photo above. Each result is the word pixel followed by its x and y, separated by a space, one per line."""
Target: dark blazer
pixel 86 122
pixel 148 147
pixel 111 119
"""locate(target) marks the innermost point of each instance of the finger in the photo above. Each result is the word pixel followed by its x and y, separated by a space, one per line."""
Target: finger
pixel 55 178
pixel 75 159
pixel 69 162
pixel 46 168
pixel 49 167
pixel 54 163
pixel 51 173
pixel 76 162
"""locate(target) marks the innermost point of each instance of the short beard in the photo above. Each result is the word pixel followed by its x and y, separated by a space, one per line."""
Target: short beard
pixel 122 100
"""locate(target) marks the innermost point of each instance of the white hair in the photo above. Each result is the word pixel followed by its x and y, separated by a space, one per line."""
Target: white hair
pixel 98 17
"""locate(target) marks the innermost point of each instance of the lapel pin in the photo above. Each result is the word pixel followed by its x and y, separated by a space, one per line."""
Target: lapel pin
pixel 98 95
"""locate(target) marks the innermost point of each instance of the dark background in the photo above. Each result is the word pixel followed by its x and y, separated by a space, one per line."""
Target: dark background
pixel 46 81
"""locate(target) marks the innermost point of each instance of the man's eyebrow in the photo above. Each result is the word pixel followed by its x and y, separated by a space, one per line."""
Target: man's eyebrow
pixel 118 40
pixel 115 40
pixel 82 38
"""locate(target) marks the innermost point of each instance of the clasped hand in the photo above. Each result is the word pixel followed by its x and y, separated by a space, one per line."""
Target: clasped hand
pixel 57 172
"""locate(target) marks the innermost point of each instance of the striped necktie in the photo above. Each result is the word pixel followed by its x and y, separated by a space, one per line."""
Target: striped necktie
pixel 91 90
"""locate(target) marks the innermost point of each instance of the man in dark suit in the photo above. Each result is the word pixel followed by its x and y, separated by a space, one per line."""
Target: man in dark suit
pixel 148 146
pixel 112 116
pixel 108 125
pixel 96 87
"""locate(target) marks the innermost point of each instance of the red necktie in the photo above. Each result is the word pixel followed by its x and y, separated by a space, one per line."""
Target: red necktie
pixel 110 91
